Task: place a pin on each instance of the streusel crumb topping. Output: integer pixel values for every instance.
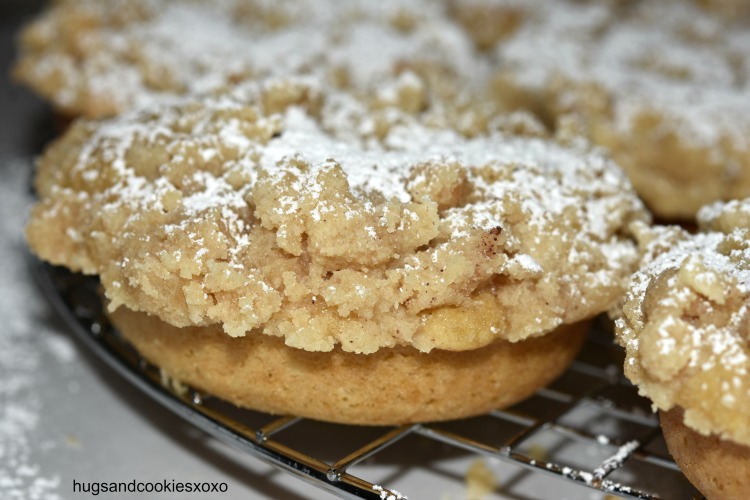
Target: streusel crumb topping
(259, 210)
(685, 321)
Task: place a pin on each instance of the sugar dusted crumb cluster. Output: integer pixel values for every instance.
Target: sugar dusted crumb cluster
(685, 321)
(259, 209)
(674, 118)
(98, 58)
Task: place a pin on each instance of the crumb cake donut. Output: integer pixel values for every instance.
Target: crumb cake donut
(685, 328)
(98, 58)
(676, 119)
(254, 221)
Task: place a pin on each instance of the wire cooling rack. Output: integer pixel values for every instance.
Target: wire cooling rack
(588, 429)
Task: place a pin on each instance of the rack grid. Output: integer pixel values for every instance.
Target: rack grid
(592, 407)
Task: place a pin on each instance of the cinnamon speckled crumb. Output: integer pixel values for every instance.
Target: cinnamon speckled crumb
(258, 209)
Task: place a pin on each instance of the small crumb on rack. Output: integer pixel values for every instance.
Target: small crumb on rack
(480, 480)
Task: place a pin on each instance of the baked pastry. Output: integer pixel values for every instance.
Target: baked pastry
(729, 9)
(674, 118)
(684, 325)
(256, 212)
(97, 58)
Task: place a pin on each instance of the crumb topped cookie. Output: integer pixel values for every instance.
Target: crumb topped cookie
(250, 209)
(674, 118)
(99, 58)
(684, 326)
(685, 322)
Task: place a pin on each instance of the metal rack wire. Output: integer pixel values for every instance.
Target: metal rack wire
(590, 406)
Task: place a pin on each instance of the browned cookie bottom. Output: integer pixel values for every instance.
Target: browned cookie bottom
(392, 386)
(720, 469)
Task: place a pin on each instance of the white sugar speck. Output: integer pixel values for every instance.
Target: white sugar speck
(21, 347)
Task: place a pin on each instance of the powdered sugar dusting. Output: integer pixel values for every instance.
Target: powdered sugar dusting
(704, 249)
(550, 183)
(685, 319)
(693, 78)
(21, 355)
(191, 186)
(616, 461)
(149, 56)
